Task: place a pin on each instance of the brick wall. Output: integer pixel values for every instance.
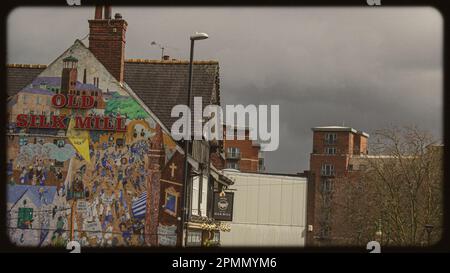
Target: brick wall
(107, 42)
(347, 143)
(249, 153)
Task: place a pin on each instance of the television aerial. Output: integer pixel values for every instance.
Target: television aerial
(162, 47)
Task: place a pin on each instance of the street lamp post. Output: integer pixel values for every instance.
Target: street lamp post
(193, 38)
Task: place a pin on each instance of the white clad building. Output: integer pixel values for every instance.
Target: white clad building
(269, 210)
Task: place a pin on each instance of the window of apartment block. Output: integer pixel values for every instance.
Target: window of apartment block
(233, 165)
(24, 99)
(325, 231)
(350, 167)
(330, 138)
(326, 185)
(233, 151)
(261, 164)
(38, 100)
(327, 170)
(330, 150)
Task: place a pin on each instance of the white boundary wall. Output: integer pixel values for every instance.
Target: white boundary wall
(269, 210)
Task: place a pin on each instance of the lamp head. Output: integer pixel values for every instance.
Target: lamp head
(199, 36)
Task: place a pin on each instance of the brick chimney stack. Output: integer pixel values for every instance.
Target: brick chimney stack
(107, 40)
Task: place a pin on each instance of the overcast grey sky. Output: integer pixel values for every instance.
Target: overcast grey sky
(368, 68)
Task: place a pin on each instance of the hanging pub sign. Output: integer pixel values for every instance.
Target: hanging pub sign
(223, 206)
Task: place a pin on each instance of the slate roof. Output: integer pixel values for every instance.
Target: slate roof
(18, 76)
(159, 84)
(164, 84)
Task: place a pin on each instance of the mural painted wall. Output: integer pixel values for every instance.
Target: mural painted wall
(69, 178)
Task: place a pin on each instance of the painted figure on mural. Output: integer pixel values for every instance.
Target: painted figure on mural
(23, 176)
(62, 190)
(54, 211)
(59, 175)
(30, 174)
(60, 225)
(78, 184)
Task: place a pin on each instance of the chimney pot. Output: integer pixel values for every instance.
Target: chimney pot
(98, 12)
(107, 12)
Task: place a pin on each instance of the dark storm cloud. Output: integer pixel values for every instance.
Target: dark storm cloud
(365, 68)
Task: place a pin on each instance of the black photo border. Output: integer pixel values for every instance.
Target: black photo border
(442, 246)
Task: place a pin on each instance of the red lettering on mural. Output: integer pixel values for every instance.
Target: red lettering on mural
(80, 124)
(22, 120)
(43, 122)
(58, 100)
(87, 101)
(33, 121)
(72, 101)
(121, 127)
(97, 122)
(107, 124)
(30, 121)
(58, 122)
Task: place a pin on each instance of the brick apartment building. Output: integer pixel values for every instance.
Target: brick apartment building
(244, 155)
(333, 153)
